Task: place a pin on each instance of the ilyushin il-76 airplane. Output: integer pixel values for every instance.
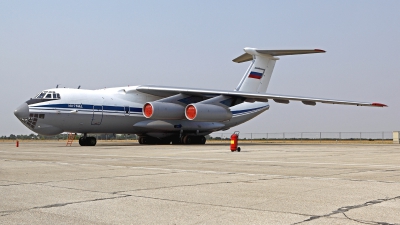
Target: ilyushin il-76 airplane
(159, 114)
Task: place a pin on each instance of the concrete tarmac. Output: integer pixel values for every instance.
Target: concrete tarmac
(128, 183)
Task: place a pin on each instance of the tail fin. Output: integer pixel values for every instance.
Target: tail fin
(257, 76)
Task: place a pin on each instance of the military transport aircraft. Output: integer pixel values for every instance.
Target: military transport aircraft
(159, 114)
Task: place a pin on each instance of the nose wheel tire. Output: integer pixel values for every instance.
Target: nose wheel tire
(88, 141)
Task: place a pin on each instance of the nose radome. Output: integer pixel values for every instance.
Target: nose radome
(22, 111)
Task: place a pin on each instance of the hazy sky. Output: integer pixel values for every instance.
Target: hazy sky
(99, 44)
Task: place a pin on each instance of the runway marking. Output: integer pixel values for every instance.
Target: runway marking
(221, 160)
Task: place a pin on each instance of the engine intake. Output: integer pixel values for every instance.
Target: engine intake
(207, 112)
(163, 111)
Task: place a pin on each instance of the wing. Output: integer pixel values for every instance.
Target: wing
(249, 97)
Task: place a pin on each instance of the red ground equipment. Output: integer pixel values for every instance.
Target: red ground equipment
(17, 144)
(234, 141)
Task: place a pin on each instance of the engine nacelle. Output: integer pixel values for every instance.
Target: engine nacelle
(207, 112)
(163, 111)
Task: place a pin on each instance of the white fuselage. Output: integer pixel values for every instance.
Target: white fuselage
(119, 110)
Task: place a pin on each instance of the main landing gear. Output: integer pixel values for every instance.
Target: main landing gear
(187, 139)
(87, 141)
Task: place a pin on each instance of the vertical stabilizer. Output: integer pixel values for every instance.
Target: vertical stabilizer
(258, 75)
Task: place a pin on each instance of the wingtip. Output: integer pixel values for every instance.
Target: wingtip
(378, 104)
(319, 50)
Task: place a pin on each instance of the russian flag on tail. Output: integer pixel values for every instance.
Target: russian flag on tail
(256, 73)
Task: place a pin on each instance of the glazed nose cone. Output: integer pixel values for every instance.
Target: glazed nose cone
(22, 111)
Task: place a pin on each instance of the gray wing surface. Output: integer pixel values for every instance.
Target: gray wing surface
(163, 91)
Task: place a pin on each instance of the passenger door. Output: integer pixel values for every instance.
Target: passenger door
(97, 114)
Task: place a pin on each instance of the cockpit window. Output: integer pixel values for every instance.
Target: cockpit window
(41, 95)
(48, 95)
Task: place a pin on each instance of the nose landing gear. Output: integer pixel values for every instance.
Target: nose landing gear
(87, 141)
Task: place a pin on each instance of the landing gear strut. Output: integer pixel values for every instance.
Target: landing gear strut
(87, 141)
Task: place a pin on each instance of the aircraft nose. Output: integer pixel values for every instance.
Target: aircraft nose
(22, 111)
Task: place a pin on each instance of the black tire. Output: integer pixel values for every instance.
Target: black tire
(149, 140)
(82, 141)
(188, 140)
(176, 141)
(165, 141)
(91, 141)
(145, 140)
(202, 140)
(238, 149)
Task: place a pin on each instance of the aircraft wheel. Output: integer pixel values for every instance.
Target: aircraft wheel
(82, 141)
(187, 140)
(148, 140)
(176, 140)
(165, 141)
(140, 140)
(202, 140)
(145, 140)
(91, 141)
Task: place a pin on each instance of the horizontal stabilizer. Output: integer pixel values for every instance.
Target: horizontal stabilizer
(248, 56)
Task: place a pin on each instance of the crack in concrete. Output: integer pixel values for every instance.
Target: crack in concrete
(194, 185)
(5, 213)
(348, 208)
(216, 205)
(367, 222)
(216, 172)
(15, 183)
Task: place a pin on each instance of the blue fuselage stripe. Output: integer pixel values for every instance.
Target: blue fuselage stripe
(87, 107)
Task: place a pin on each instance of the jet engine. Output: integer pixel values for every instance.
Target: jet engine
(207, 112)
(163, 111)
